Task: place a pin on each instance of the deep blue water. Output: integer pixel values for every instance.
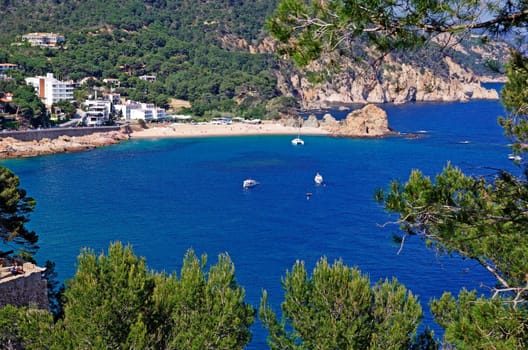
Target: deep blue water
(168, 195)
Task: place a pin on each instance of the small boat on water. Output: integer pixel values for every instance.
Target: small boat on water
(248, 183)
(515, 157)
(298, 141)
(318, 178)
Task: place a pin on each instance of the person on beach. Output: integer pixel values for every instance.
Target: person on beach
(17, 269)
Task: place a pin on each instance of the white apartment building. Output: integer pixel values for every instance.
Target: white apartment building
(51, 90)
(97, 112)
(43, 39)
(132, 110)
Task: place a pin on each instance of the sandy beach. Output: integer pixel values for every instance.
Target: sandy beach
(235, 129)
(14, 148)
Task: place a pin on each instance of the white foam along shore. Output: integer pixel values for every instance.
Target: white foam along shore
(234, 129)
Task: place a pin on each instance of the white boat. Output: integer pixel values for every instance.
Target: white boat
(515, 157)
(318, 178)
(248, 183)
(298, 141)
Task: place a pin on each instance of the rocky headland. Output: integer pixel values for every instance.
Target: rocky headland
(397, 83)
(14, 148)
(426, 75)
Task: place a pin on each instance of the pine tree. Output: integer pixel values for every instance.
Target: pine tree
(15, 208)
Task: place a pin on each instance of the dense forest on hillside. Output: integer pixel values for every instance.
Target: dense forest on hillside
(198, 51)
(191, 20)
(177, 41)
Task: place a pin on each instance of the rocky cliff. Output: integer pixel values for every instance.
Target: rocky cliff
(397, 82)
(429, 74)
(26, 289)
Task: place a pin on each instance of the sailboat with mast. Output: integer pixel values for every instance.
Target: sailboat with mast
(298, 141)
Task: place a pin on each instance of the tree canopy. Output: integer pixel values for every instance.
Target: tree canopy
(309, 28)
(198, 50)
(337, 308)
(15, 209)
(115, 301)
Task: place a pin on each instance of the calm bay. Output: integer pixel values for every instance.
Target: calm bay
(165, 196)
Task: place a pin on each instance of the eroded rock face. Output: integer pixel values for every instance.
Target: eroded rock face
(397, 83)
(369, 121)
(311, 121)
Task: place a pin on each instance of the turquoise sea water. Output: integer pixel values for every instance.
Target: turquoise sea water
(168, 195)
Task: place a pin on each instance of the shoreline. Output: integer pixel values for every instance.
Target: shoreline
(11, 148)
(183, 130)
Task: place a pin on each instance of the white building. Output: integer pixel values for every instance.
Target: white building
(132, 110)
(150, 78)
(97, 112)
(51, 90)
(43, 39)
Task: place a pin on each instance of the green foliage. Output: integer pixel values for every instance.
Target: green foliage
(336, 308)
(514, 97)
(208, 311)
(307, 29)
(15, 207)
(66, 107)
(481, 220)
(25, 328)
(28, 106)
(481, 323)
(107, 295)
(478, 219)
(114, 301)
(187, 45)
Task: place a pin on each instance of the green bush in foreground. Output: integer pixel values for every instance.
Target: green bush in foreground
(115, 302)
(337, 308)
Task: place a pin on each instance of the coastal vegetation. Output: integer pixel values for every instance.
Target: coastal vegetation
(214, 54)
(15, 209)
(479, 218)
(338, 308)
(181, 43)
(115, 301)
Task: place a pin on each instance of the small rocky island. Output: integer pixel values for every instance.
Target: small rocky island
(368, 121)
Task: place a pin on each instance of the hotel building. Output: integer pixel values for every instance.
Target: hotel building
(51, 90)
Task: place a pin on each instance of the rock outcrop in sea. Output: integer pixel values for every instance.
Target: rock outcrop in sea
(368, 121)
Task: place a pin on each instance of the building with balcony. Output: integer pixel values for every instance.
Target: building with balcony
(43, 39)
(132, 110)
(51, 90)
(97, 112)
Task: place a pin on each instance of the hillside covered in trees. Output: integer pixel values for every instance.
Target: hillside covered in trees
(215, 54)
(178, 41)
